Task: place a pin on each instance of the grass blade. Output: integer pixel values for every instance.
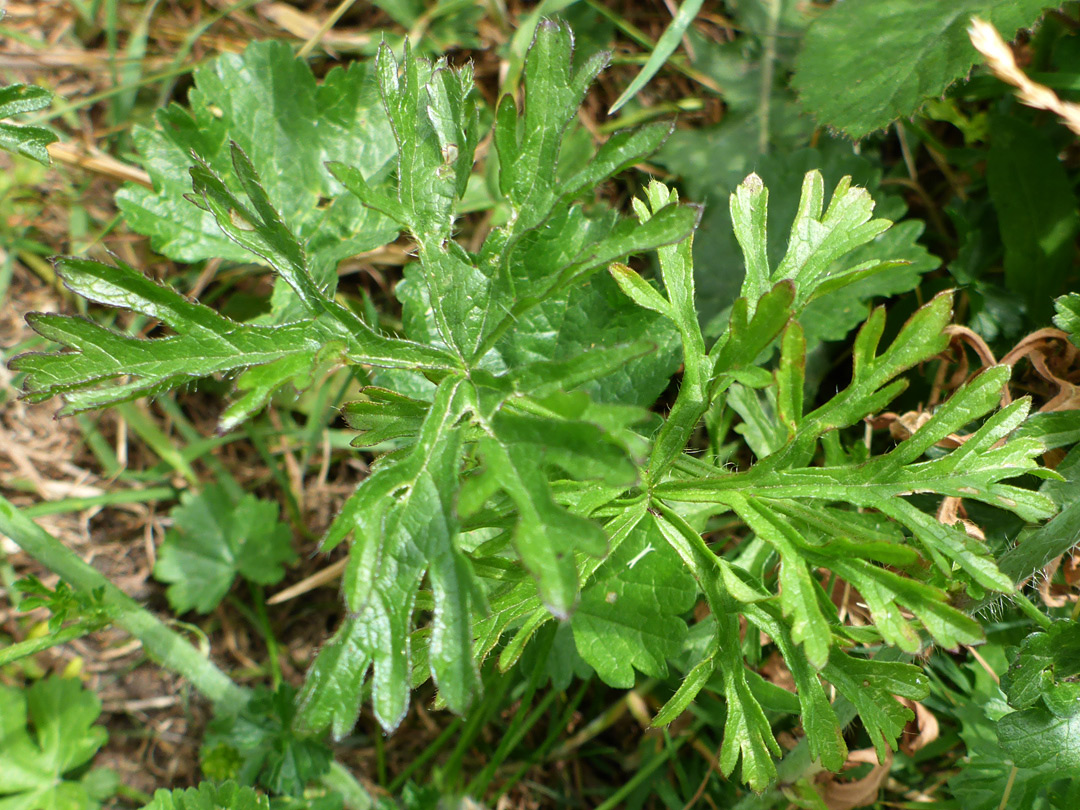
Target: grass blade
(665, 47)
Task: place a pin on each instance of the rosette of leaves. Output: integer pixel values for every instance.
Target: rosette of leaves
(528, 484)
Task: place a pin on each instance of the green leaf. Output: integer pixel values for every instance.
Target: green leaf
(752, 327)
(665, 47)
(260, 742)
(861, 68)
(870, 685)
(519, 604)
(545, 534)
(893, 263)
(749, 205)
(383, 416)
(890, 263)
(798, 590)
(65, 603)
(592, 315)
(1044, 659)
(434, 121)
(640, 291)
(269, 104)
(32, 142)
(1036, 212)
(212, 540)
(528, 143)
(206, 343)
(693, 682)
(209, 796)
(1068, 315)
(461, 300)
(747, 733)
(1039, 737)
(618, 153)
(404, 524)
(824, 733)
(886, 591)
(545, 377)
(677, 271)
(583, 449)
(871, 388)
(46, 732)
(838, 257)
(331, 694)
(791, 378)
(1049, 541)
(630, 614)
(1053, 429)
(820, 236)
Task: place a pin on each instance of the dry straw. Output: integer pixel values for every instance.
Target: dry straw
(1002, 62)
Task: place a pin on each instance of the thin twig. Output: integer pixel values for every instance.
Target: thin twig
(329, 23)
(328, 574)
(94, 160)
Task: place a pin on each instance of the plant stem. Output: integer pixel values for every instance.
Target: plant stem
(380, 757)
(520, 725)
(273, 650)
(31, 646)
(768, 65)
(165, 646)
(1031, 611)
(541, 754)
(106, 499)
(475, 722)
(1008, 788)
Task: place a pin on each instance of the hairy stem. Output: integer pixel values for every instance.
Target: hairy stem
(167, 647)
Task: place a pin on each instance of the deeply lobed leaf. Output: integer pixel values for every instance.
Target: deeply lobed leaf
(268, 103)
(524, 480)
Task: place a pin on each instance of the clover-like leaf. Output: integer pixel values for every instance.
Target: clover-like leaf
(46, 732)
(213, 539)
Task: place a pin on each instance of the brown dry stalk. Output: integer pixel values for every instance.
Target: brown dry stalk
(1002, 62)
(94, 160)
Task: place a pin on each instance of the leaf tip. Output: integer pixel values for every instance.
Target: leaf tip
(753, 183)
